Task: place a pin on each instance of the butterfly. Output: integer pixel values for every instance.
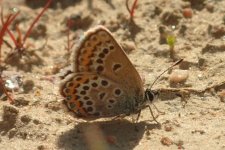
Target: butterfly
(103, 82)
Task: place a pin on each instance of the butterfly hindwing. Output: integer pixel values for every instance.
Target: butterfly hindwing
(91, 95)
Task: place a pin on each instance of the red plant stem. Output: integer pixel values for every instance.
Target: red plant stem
(133, 8)
(131, 11)
(35, 21)
(8, 31)
(12, 37)
(19, 38)
(3, 30)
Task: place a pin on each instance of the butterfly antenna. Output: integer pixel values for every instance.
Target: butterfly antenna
(176, 63)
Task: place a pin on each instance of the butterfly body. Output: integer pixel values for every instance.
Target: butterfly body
(103, 82)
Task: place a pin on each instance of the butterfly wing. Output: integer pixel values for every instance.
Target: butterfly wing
(98, 52)
(90, 95)
(100, 56)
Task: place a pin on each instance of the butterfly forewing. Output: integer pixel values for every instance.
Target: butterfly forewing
(100, 53)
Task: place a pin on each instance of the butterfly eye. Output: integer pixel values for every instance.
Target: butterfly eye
(149, 95)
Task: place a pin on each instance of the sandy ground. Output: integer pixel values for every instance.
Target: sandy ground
(194, 121)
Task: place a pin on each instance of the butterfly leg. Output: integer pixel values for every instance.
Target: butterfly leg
(138, 116)
(136, 121)
(119, 117)
(154, 118)
(160, 112)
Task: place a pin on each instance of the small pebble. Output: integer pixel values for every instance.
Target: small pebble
(41, 147)
(128, 46)
(166, 141)
(168, 128)
(217, 31)
(21, 101)
(187, 12)
(10, 112)
(28, 85)
(55, 105)
(25, 119)
(180, 144)
(178, 76)
(210, 7)
(39, 31)
(12, 133)
(169, 17)
(14, 83)
(198, 131)
(77, 21)
(35, 121)
(148, 133)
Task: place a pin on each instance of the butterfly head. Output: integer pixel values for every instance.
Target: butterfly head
(150, 95)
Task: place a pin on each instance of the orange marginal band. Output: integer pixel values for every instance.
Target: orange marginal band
(77, 103)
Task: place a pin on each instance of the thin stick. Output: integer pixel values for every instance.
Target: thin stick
(127, 6)
(68, 35)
